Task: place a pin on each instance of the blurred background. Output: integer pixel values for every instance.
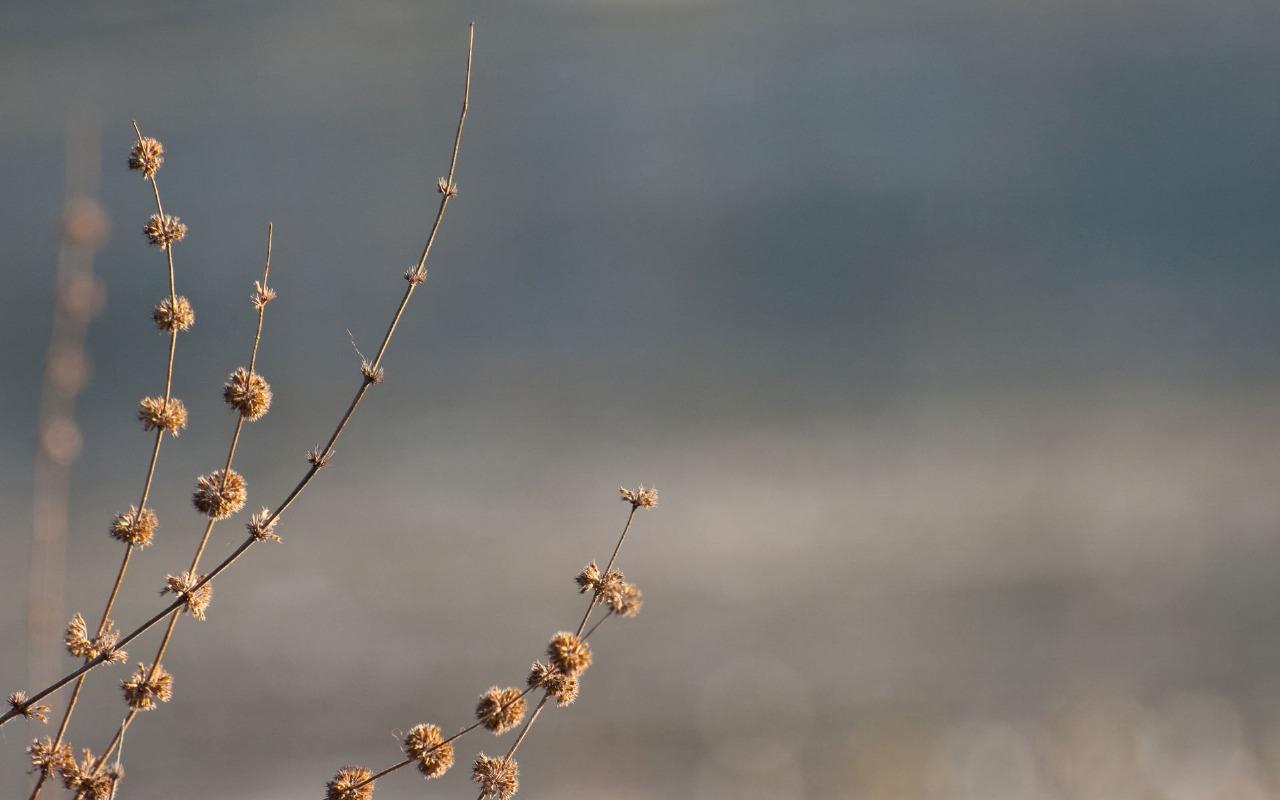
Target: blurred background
(948, 332)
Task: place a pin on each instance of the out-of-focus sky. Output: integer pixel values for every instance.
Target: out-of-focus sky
(948, 331)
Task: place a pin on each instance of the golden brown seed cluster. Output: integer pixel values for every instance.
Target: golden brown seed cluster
(146, 157)
(84, 781)
(623, 598)
(18, 702)
(499, 778)
(501, 709)
(640, 498)
(562, 688)
(569, 654)
(427, 747)
(80, 645)
(317, 458)
(174, 314)
(415, 275)
(217, 498)
(135, 527)
(371, 373)
(165, 230)
(261, 295)
(349, 784)
(247, 393)
(197, 601)
(144, 689)
(446, 187)
(156, 413)
(259, 527)
(47, 758)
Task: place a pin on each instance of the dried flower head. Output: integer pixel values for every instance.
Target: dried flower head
(165, 231)
(569, 654)
(623, 598)
(219, 498)
(371, 373)
(350, 784)
(446, 187)
(146, 156)
(197, 600)
(317, 458)
(47, 757)
(259, 527)
(29, 710)
(80, 645)
(83, 780)
(424, 744)
(640, 498)
(501, 709)
(499, 778)
(590, 580)
(156, 413)
(145, 687)
(247, 393)
(415, 275)
(174, 314)
(561, 687)
(261, 295)
(135, 527)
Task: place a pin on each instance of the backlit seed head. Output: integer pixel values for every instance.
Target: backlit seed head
(349, 784)
(47, 758)
(83, 780)
(143, 689)
(371, 373)
(80, 645)
(260, 529)
(247, 393)
(135, 527)
(499, 778)
(501, 709)
(261, 295)
(640, 498)
(218, 499)
(156, 414)
(590, 580)
(174, 314)
(415, 275)
(29, 710)
(165, 231)
(317, 458)
(623, 598)
(561, 687)
(569, 654)
(446, 187)
(424, 744)
(197, 601)
(146, 156)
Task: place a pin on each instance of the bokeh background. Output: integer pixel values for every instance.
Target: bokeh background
(948, 331)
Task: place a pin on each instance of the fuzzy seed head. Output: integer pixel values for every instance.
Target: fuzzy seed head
(46, 757)
(499, 778)
(247, 393)
(146, 156)
(569, 654)
(415, 275)
(562, 688)
(590, 580)
(261, 295)
(640, 498)
(424, 744)
(317, 458)
(260, 529)
(197, 600)
(501, 709)
(623, 598)
(143, 689)
(29, 710)
(156, 414)
(80, 645)
(371, 373)
(82, 780)
(165, 231)
(135, 527)
(217, 498)
(344, 784)
(174, 314)
(446, 187)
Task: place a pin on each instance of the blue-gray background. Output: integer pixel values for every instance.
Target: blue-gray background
(948, 330)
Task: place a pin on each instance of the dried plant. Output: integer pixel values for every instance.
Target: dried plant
(501, 710)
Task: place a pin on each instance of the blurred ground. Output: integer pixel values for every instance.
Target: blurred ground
(948, 332)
